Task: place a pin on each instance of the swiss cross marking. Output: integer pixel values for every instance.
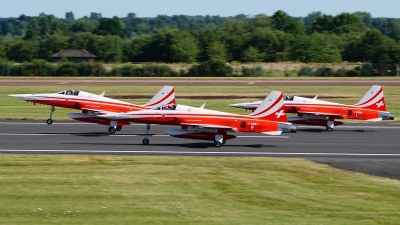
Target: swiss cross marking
(380, 104)
(279, 114)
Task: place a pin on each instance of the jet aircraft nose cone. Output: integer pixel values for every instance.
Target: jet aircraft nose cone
(20, 96)
(238, 105)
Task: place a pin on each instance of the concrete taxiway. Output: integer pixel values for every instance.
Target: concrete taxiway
(369, 147)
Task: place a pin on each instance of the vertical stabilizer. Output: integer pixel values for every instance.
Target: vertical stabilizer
(373, 99)
(165, 96)
(271, 108)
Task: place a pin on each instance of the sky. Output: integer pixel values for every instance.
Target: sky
(224, 8)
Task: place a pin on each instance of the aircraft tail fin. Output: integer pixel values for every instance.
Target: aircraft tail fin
(165, 96)
(373, 99)
(272, 108)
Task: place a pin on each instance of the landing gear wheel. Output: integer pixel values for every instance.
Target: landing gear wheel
(223, 142)
(217, 144)
(329, 129)
(112, 130)
(145, 141)
(49, 121)
(119, 128)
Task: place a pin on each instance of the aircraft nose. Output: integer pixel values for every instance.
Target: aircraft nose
(20, 96)
(238, 105)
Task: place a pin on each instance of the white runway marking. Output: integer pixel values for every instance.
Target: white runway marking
(304, 154)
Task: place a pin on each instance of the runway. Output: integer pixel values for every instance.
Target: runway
(368, 147)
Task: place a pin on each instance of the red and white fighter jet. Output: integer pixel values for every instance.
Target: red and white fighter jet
(203, 124)
(371, 107)
(93, 105)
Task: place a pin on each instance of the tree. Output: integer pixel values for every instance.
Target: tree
(33, 31)
(388, 52)
(95, 16)
(314, 48)
(284, 22)
(371, 40)
(261, 20)
(184, 47)
(109, 27)
(2, 49)
(52, 44)
(21, 51)
(342, 23)
(216, 52)
(252, 54)
(205, 39)
(135, 51)
(311, 18)
(69, 16)
(273, 44)
(82, 40)
(84, 26)
(107, 48)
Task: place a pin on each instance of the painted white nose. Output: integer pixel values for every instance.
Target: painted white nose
(21, 96)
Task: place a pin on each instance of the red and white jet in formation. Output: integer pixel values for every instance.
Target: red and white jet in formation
(203, 124)
(93, 105)
(371, 107)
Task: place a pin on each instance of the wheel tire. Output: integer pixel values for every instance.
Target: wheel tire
(112, 130)
(217, 144)
(223, 142)
(119, 128)
(49, 121)
(145, 141)
(329, 129)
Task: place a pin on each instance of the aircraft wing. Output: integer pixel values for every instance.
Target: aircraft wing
(211, 126)
(321, 114)
(96, 111)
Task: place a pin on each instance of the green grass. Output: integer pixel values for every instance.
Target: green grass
(40, 189)
(11, 108)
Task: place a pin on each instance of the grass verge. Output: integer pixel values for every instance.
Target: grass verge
(41, 189)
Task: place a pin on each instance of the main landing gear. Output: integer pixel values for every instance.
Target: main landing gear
(329, 129)
(50, 121)
(112, 130)
(329, 125)
(146, 141)
(217, 144)
(219, 140)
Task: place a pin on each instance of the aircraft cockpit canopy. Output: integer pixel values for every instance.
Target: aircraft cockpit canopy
(167, 107)
(69, 92)
(288, 98)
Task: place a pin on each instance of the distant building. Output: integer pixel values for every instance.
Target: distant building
(73, 55)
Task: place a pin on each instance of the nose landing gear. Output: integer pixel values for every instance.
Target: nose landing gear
(146, 141)
(50, 121)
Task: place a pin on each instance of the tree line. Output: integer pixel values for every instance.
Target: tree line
(206, 69)
(213, 40)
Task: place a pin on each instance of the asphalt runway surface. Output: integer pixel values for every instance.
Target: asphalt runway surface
(371, 148)
(202, 82)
